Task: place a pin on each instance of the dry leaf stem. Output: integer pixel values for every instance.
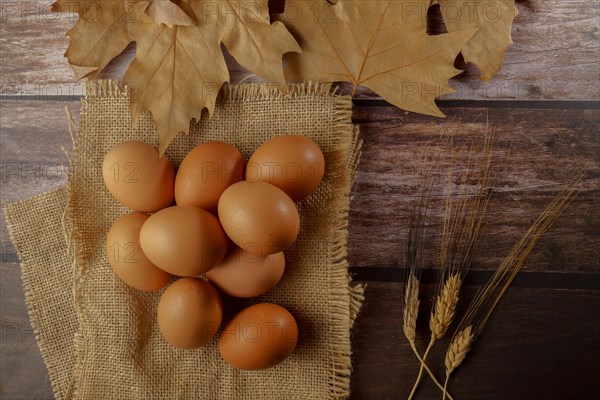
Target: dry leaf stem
(488, 297)
(460, 235)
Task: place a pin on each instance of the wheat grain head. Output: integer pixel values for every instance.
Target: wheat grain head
(445, 307)
(411, 308)
(457, 351)
(489, 295)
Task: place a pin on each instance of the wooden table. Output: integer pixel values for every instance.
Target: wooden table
(542, 342)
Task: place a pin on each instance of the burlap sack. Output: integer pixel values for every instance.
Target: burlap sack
(117, 351)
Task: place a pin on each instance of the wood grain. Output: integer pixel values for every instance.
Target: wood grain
(532, 335)
(32, 137)
(554, 56)
(538, 344)
(547, 147)
(24, 375)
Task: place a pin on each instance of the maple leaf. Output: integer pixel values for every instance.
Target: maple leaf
(163, 12)
(493, 21)
(381, 44)
(179, 65)
(99, 35)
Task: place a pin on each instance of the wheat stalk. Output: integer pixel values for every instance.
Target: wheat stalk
(488, 297)
(439, 322)
(460, 236)
(433, 378)
(457, 351)
(414, 249)
(409, 325)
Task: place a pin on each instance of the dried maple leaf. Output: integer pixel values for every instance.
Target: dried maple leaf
(493, 20)
(163, 12)
(177, 70)
(99, 35)
(381, 44)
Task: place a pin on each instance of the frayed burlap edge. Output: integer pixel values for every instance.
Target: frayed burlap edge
(344, 311)
(347, 296)
(58, 374)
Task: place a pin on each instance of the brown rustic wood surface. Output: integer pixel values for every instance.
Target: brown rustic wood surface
(541, 342)
(555, 55)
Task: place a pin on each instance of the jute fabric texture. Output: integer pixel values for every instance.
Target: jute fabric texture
(99, 337)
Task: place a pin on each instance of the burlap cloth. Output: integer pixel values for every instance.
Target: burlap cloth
(99, 337)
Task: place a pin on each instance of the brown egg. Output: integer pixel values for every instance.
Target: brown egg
(126, 258)
(259, 337)
(293, 163)
(183, 240)
(206, 172)
(244, 274)
(259, 217)
(137, 177)
(189, 313)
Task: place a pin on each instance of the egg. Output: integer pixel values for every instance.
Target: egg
(205, 172)
(293, 163)
(259, 337)
(126, 257)
(135, 176)
(259, 217)
(183, 240)
(189, 313)
(245, 274)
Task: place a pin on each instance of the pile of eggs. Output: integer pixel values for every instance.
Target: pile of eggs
(219, 218)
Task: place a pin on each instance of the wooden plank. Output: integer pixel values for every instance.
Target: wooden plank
(538, 344)
(547, 147)
(537, 67)
(24, 375)
(32, 47)
(32, 137)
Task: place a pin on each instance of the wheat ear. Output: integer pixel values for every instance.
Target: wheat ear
(488, 297)
(409, 325)
(411, 296)
(445, 307)
(439, 322)
(411, 308)
(457, 351)
(460, 236)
